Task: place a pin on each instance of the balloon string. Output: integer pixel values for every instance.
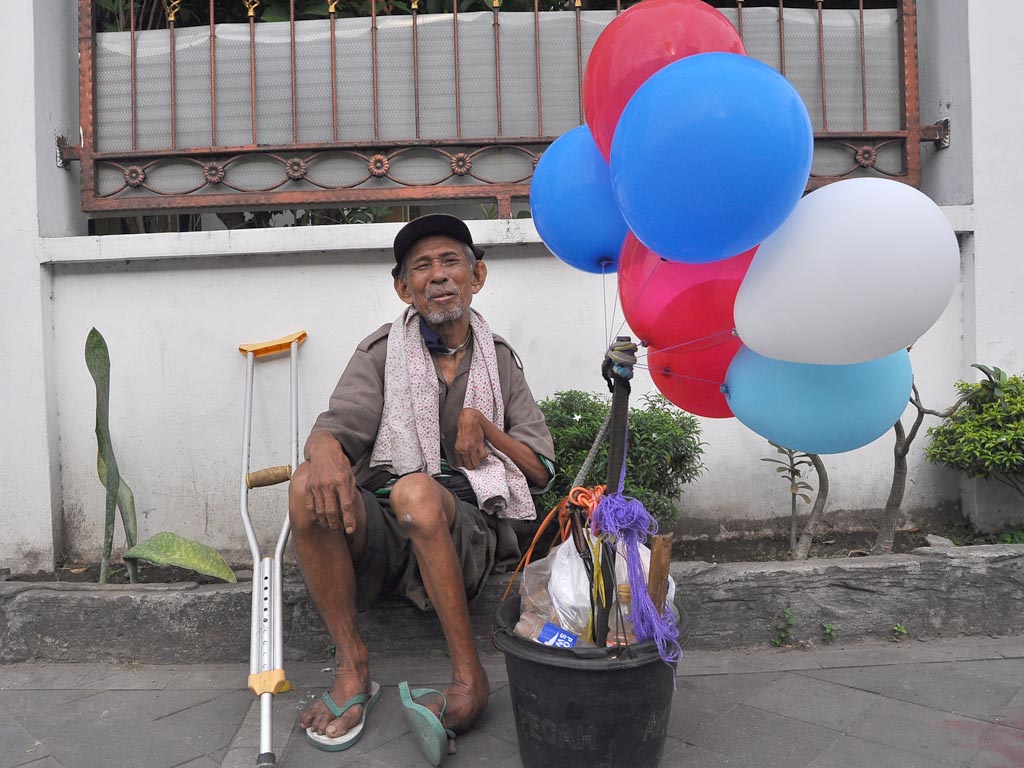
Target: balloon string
(687, 343)
(618, 302)
(643, 287)
(683, 376)
(604, 301)
(615, 306)
(619, 331)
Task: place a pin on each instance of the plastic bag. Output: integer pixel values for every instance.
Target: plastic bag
(621, 576)
(533, 588)
(557, 588)
(569, 589)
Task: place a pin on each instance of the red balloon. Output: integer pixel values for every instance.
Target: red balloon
(693, 379)
(639, 42)
(668, 303)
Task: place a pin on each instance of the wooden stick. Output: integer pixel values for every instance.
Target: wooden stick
(661, 557)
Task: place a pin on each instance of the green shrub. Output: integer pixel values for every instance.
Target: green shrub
(1013, 535)
(785, 630)
(828, 633)
(663, 451)
(985, 437)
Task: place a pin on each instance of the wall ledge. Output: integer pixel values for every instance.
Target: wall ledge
(960, 216)
(934, 592)
(338, 238)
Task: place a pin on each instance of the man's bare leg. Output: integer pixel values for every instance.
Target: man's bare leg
(326, 561)
(425, 511)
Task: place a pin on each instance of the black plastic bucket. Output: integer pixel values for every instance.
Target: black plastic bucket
(587, 707)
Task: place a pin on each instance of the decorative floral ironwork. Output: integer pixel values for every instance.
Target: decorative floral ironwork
(134, 176)
(295, 169)
(883, 157)
(171, 8)
(406, 181)
(512, 179)
(379, 166)
(213, 173)
(380, 174)
(251, 6)
(461, 164)
(867, 156)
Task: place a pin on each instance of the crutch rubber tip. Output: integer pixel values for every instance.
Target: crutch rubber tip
(266, 760)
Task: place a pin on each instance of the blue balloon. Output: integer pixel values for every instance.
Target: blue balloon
(818, 408)
(573, 206)
(710, 156)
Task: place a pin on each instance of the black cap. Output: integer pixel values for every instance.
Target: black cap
(426, 226)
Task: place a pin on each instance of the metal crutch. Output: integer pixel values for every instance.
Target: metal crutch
(266, 649)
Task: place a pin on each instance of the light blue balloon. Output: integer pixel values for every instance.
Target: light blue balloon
(818, 408)
(572, 204)
(710, 156)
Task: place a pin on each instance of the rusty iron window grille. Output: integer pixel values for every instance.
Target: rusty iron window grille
(413, 108)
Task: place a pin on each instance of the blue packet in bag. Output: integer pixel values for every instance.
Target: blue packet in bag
(555, 636)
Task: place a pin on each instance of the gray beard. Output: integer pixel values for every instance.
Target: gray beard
(437, 318)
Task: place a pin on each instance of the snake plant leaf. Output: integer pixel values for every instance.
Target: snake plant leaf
(97, 360)
(167, 548)
(125, 503)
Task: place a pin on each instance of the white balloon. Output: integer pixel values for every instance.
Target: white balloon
(859, 270)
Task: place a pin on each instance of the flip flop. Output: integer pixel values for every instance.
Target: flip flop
(428, 728)
(351, 736)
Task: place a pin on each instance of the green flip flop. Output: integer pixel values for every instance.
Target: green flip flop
(428, 728)
(352, 735)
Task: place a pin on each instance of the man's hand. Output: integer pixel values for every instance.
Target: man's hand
(470, 445)
(331, 490)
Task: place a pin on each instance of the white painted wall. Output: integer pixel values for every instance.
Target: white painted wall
(173, 326)
(994, 323)
(997, 73)
(944, 66)
(173, 309)
(38, 94)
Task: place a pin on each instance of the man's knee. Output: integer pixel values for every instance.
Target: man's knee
(297, 497)
(419, 503)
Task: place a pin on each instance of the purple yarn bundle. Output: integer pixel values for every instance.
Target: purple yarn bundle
(630, 523)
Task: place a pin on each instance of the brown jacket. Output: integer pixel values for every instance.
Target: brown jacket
(353, 416)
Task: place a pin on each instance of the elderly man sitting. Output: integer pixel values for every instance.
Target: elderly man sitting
(431, 445)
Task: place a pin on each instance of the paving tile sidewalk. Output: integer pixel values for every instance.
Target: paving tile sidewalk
(956, 702)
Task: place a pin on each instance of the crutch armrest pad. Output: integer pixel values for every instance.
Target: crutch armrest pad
(262, 348)
(269, 681)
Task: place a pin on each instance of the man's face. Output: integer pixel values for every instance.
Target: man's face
(438, 280)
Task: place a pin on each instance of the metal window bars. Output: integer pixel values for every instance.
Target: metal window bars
(437, 143)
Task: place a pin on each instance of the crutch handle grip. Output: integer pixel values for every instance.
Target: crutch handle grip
(263, 348)
(268, 476)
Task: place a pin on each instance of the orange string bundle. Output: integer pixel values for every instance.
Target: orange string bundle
(584, 499)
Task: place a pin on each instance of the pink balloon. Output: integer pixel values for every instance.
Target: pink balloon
(669, 303)
(639, 42)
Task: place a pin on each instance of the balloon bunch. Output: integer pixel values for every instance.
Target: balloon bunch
(791, 313)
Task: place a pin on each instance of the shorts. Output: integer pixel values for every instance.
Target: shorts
(389, 568)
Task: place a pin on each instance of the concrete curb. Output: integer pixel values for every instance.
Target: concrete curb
(933, 592)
